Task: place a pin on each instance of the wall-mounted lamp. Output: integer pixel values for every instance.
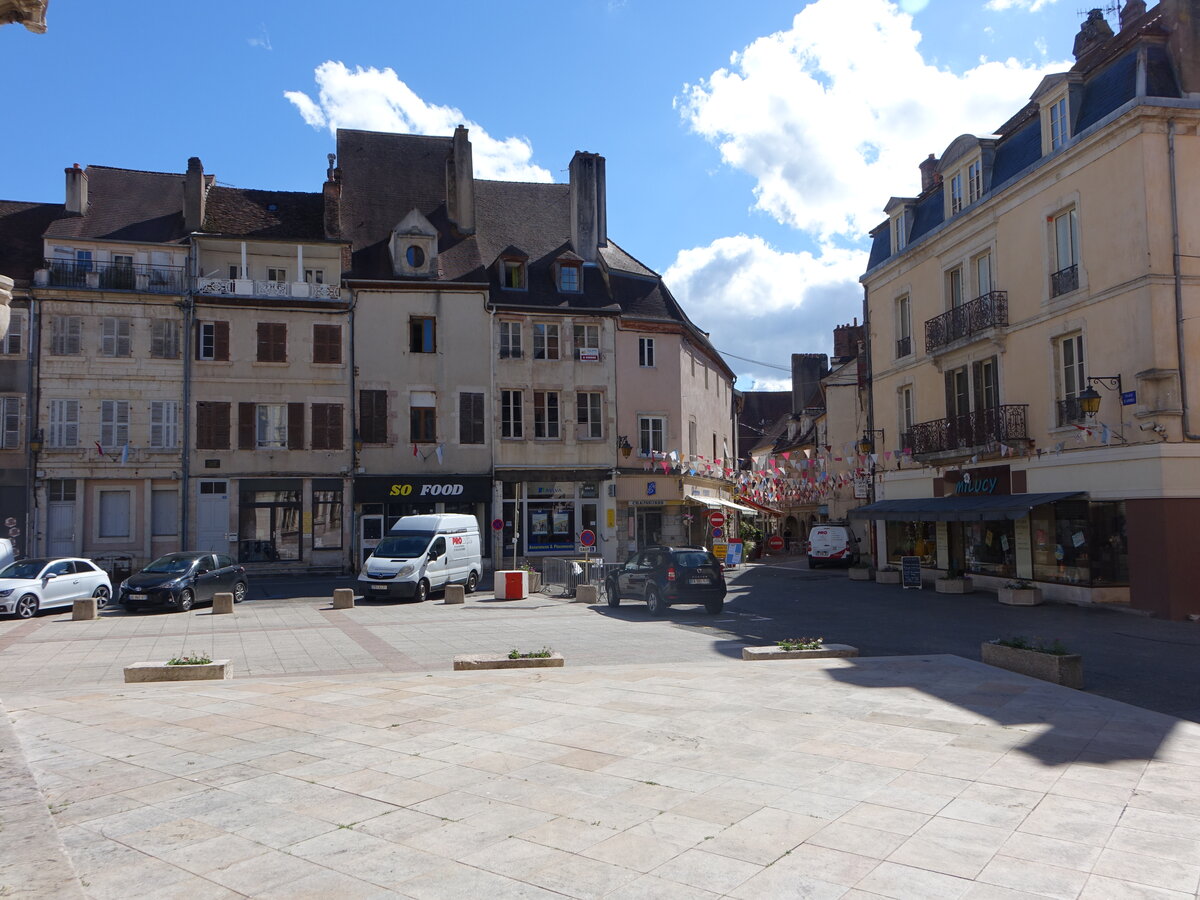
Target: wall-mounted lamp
(1089, 397)
(358, 444)
(866, 443)
(35, 442)
(624, 446)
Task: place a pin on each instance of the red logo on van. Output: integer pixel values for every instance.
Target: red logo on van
(455, 540)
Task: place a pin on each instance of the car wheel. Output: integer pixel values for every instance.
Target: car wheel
(101, 594)
(186, 600)
(612, 593)
(422, 592)
(27, 607)
(239, 592)
(654, 603)
(714, 606)
(472, 582)
(812, 563)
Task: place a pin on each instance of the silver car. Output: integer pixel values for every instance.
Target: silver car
(28, 585)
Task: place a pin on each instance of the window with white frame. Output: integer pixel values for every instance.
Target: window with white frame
(10, 422)
(164, 424)
(692, 437)
(114, 507)
(66, 336)
(954, 287)
(1072, 376)
(12, 342)
(116, 336)
(1065, 277)
(164, 339)
(114, 423)
(569, 278)
(314, 276)
(510, 340)
(279, 276)
(982, 264)
(1059, 129)
(271, 426)
(587, 342)
(652, 434)
(956, 192)
(545, 415)
(511, 415)
(974, 181)
(899, 233)
(545, 340)
(646, 352)
(907, 415)
(589, 414)
(64, 424)
(903, 326)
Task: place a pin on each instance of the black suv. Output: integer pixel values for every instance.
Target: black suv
(663, 576)
(180, 580)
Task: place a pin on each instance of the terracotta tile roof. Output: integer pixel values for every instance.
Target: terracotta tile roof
(127, 205)
(265, 214)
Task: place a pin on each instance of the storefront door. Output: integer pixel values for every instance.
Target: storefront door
(370, 533)
(649, 526)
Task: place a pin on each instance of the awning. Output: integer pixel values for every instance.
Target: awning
(718, 503)
(959, 508)
(758, 507)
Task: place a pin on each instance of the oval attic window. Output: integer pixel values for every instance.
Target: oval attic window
(415, 256)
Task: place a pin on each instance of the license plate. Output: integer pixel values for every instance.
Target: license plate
(137, 596)
(698, 581)
(379, 587)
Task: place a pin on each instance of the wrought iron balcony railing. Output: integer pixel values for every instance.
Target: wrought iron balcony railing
(997, 424)
(110, 276)
(245, 287)
(1064, 281)
(1070, 412)
(986, 311)
(903, 347)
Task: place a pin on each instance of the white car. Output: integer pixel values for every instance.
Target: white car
(28, 585)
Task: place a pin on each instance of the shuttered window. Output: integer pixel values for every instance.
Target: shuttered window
(327, 426)
(373, 417)
(272, 342)
(114, 423)
(164, 339)
(10, 344)
(66, 336)
(116, 337)
(212, 341)
(327, 343)
(64, 423)
(164, 424)
(114, 514)
(295, 426)
(10, 419)
(212, 425)
(470, 418)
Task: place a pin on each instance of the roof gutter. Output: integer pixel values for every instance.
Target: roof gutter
(1177, 272)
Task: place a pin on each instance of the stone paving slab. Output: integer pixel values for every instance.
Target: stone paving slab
(919, 777)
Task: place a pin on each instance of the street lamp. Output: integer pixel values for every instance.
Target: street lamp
(1089, 397)
(866, 443)
(624, 446)
(35, 442)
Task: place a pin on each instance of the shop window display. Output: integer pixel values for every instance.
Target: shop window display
(1077, 542)
(990, 547)
(913, 539)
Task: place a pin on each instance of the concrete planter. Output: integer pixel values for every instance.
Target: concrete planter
(884, 576)
(827, 651)
(953, 585)
(860, 573)
(216, 670)
(1019, 596)
(1065, 670)
(476, 661)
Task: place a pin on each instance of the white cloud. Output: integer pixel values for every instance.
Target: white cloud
(1029, 5)
(764, 304)
(829, 134)
(377, 100)
(264, 41)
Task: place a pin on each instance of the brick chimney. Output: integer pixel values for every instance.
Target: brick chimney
(847, 340)
(332, 195)
(930, 176)
(807, 371)
(1131, 12)
(589, 214)
(460, 183)
(1094, 32)
(194, 196)
(77, 191)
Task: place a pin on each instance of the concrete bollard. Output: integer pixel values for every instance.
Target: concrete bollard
(455, 593)
(222, 603)
(586, 593)
(343, 598)
(82, 610)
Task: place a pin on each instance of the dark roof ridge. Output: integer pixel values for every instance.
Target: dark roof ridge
(635, 259)
(560, 184)
(403, 134)
(134, 171)
(229, 187)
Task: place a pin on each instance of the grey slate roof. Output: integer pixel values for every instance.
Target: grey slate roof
(21, 228)
(249, 213)
(127, 205)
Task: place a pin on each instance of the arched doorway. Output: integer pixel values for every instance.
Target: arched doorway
(791, 534)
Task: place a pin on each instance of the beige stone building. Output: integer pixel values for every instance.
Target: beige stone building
(1033, 332)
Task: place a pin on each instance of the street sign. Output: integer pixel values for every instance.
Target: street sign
(717, 533)
(716, 519)
(497, 524)
(587, 538)
(720, 550)
(775, 543)
(1128, 398)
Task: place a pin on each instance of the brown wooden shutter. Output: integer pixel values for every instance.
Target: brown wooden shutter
(220, 340)
(331, 425)
(263, 353)
(246, 438)
(204, 426)
(327, 343)
(221, 426)
(373, 415)
(295, 426)
(317, 440)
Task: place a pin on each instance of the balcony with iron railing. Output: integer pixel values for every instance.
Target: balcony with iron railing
(1070, 412)
(903, 347)
(111, 276)
(1064, 281)
(979, 315)
(285, 290)
(970, 432)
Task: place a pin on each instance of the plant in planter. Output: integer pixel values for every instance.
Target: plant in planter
(1050, 662)
(802, 643)
(196, 659)
(955, 581)
(544, 653)
(1019, 593)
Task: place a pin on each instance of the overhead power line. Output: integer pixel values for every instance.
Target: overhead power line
(757, 362)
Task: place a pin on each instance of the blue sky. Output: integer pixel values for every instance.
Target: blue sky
(750, 146)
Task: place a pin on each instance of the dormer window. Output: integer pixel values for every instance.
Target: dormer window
(956, 192)
(414, 256)
(570, 278)
(512, 274)
(414, 246)
(974, 181)
(899, 233)
(1059, 125)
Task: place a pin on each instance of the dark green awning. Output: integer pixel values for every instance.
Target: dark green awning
(958, 508)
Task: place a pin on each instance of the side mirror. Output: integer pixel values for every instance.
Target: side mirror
(49, 575)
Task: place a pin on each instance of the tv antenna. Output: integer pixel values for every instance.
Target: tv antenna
(1110, 11)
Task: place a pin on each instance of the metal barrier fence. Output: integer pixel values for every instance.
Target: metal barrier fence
(560, 576)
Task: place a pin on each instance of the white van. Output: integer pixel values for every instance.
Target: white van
(423, 554)
(828, 543)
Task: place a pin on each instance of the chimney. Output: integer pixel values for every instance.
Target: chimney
(929, 173)
(193, 196)
(589, 214)
(807, 371)
(1094, 32)
(460, 183)
(1133, 10)
(332, 191)
(77, 191)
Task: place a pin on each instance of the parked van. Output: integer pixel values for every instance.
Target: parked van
(828, 543)
(423, 554)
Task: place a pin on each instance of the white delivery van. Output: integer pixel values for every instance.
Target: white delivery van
(423, 554)
(829, 542)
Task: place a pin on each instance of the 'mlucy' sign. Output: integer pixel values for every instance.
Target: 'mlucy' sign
(969, 485)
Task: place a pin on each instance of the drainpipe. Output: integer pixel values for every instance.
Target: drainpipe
(32, 416)
(497, 544)
(1175, 268)
(868, 376)
(185, 456)
(355, 550)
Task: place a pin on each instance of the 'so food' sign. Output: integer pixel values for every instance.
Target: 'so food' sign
(443, 489)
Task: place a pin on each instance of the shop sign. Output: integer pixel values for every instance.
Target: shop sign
(417, 489)
(983, 481)
(969, 485)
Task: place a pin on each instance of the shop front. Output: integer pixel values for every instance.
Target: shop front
(288, 521)
(545, 511)
(674, 511)
(380, 501)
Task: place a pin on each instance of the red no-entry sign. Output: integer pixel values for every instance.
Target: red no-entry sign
(717, 519)
(775, 543)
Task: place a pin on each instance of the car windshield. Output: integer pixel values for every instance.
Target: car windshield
(695, 559)
(171, 565)
(24, 568)
(404, 545)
